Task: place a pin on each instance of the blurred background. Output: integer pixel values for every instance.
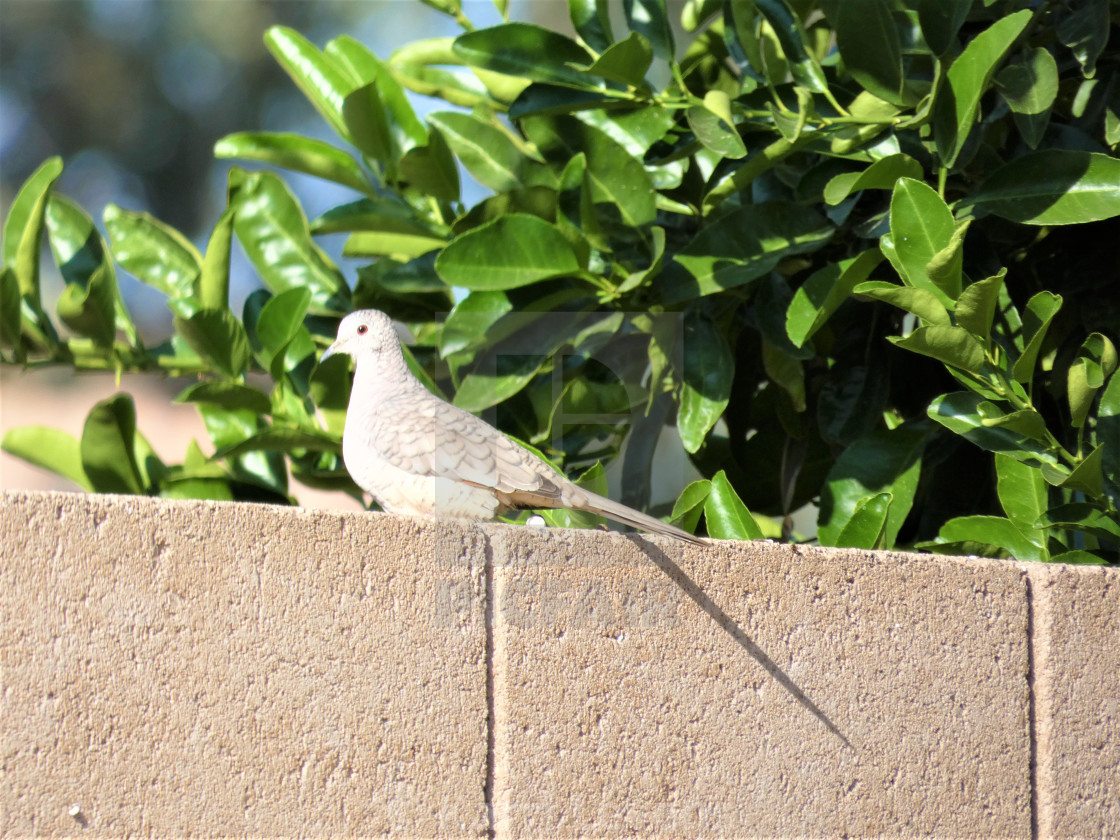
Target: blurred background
(133, 95)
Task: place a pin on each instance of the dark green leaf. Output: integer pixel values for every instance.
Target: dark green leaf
(883, 174)
(489, 153)
(706, 380)
(625, 62)
(1084, 29)
(713, 126)
(867, 526)
(690, 505)
(971, 416)
(367, 124)
(818, 297)
(226, 394)
(867, 39)
(1108, 436)
(976, 306)
(1041, 309)
(282, 439)
(431, 169)
(649, 18)
(1083, 516)
(1095, 363)
(941, 20)
(791, 35)
(108, 447)
(525, 50)
(1030, 86)
(280, 318)
(218, 337)
(470, 321)
(592, 20)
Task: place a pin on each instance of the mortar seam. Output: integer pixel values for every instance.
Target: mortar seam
(1032, 721)
(488, 619)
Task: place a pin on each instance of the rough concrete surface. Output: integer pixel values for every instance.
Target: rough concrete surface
(195, 668)
(1077, 705)
(190, 668)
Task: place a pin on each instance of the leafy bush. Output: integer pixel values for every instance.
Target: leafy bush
(861, 253)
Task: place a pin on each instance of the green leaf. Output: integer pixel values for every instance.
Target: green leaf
(1080, 557)
(1052, 187)
(786, 372)
(107, 447)
(971, 416)
(1108, 436)
(941, 20)
(153, 252)
(218, 337)
(489, 153)
(225, 394)
(882, 462)
(791, 36)
(1088, 477)
(713, 126)
(9, 310)
(726, 516)
(952, 345)
(279, 320)
(1084, 29)
(709, 369)
(649, 18)
(510, 251)
(527, 51)
(625, 62)
(470, 321)
(991, 530)
(742, 246)
(1095, 363)
(317, 76)
(295, 152)
(367, 124)
(282, 439)
(592, 20)
(50, 449)
(969, 76)
(431, 169)
(690, 505)
(883, 174)
(976, 306)
(867, 526)
(382, 214)
(1022, 494)
(1041, 309)
(921, 227)
(920, 302)
(867, 38)
(1083, 516)
(23, 228)
(1030, 86)
(616, 176)
(822, 293)
(90, 304)
(272, 229)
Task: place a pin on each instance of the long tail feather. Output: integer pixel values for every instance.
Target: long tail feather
(636, 519)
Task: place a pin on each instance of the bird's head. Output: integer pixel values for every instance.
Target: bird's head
(367, 332)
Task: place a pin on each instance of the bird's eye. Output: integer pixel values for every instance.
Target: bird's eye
(362, 329)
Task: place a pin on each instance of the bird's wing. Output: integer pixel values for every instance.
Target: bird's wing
(431, 437)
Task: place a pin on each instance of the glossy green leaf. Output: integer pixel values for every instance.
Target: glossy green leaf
(380, 214)
(279, 320)
(1053, 187)
(970, 416)
(625, 62)
(1085, 29)
(320, 79)
(218, 337)
(709, 369)
(226, 394)
(431, 169)
(469, 322)
(976, 306)
(616, 177)
(1108, 436)
(868, 41)
(969, 76)
(852, 401)
(295, 152)
(867, 526)
(883, 174)
(742, 246)
(995, 531)
(49, 449)
(1088, 476)
(108, 447)
(153, 252)
(508, 252)
(786, 372)
(592, 20)
(883, 462)
(921, 227)
(1078, 556)
(823, 292)
(921, 302)
(952, 345)
(713, 126)
(9, 310)
(489, 154)
(941, 20)
(367, 124)
(545, 100)
(525, 50)
(282, 439)
(726, 516)
(273, 230)
(1040, 311)
(1083, 516)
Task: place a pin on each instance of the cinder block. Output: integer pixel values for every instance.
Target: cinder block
(204, 668)
(646, 688)
(1077, 699)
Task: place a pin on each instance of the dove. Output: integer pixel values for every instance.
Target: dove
(418, 455)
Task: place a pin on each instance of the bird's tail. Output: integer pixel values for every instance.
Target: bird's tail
(603, 506)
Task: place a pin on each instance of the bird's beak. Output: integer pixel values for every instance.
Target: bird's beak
(333, 350)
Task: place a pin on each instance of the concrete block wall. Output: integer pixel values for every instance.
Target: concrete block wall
(190, 668)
